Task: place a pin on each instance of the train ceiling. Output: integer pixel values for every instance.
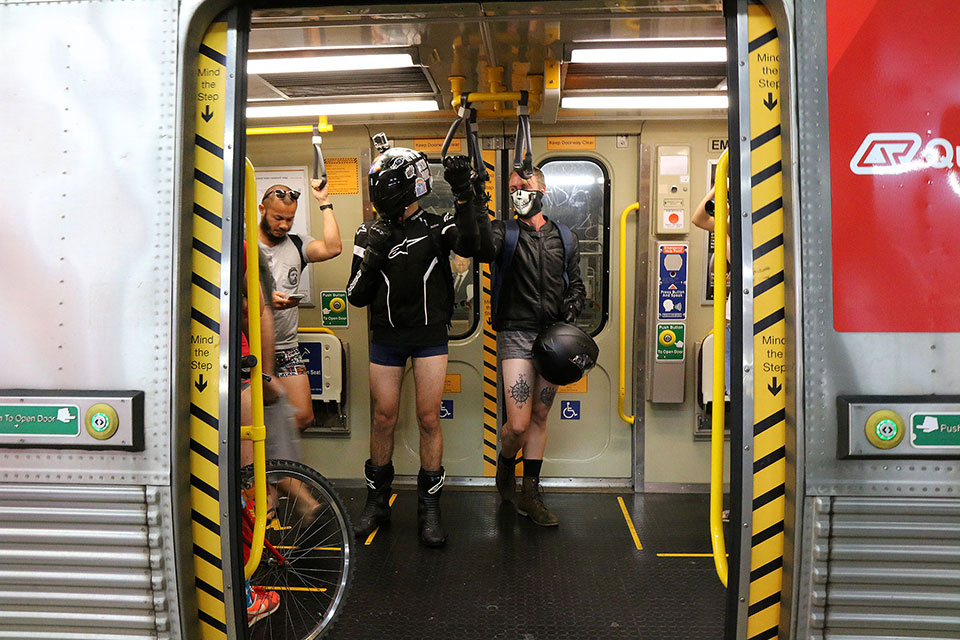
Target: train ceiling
(473, 39)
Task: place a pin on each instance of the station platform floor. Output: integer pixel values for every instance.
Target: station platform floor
(502, 577)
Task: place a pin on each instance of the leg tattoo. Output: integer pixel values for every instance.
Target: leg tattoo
(520, 392)
(547, 394)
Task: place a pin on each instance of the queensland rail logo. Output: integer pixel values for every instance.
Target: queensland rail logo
(883, 153)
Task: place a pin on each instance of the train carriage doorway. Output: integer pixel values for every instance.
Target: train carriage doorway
(641, 429)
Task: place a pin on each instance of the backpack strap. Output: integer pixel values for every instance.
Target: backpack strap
(298, 243)
(511, 236)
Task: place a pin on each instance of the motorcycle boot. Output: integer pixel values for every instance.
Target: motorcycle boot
(429, 488)
(376, 510)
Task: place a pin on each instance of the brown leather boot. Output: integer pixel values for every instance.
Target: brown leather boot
(530, 504)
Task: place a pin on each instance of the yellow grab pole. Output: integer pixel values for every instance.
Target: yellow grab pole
(257, 432)
(623, 311)
(719, 384)
(324, 127)
(315, 330)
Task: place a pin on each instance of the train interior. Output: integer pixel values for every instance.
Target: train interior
(625, 106)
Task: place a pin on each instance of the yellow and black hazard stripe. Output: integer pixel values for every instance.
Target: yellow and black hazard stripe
(205, 337)
(489, 355)
(769, 348)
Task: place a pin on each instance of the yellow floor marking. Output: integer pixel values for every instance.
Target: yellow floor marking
(314, 589)
(633, 531)
(685, 555)
(374, 532)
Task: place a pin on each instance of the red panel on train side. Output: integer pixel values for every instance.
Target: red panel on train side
(893, 82)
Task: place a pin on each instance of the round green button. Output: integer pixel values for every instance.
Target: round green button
(887, 429)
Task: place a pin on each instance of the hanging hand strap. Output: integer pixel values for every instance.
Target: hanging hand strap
(523, 155)
(319, 169)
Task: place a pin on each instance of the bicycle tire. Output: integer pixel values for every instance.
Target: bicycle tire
(310, 603)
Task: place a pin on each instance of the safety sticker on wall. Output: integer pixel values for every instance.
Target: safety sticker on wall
(670, 341)
(672, 301)
(333, 305)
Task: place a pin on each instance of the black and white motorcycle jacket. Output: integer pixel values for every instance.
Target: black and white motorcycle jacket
(411, 295)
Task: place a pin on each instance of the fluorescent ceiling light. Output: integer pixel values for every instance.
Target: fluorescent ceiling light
(341, 108)
(644, 102)
(651, 55)
(267, 66)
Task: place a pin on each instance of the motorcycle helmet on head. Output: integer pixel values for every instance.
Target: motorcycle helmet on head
(398, 178)
(563, 353)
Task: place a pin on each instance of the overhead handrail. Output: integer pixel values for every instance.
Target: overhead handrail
(719, 382)
(623, 312)
(257, 432)
(299, 128)
(497, 98)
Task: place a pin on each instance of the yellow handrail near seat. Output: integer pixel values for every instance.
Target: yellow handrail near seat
(623, 311)
(719, 383)
(257, 432)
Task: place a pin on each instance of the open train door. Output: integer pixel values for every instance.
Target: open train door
(846, 415)
(763, 334)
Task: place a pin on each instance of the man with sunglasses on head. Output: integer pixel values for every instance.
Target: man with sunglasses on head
(288, 254)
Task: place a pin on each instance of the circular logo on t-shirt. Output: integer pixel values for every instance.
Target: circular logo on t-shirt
(293, 277)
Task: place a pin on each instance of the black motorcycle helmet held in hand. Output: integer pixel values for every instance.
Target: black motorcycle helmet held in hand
(398, 178)
(563, 353)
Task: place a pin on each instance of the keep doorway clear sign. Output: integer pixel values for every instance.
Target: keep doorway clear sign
(672, 277)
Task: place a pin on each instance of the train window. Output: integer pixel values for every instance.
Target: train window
(466, 279)
(578, 194)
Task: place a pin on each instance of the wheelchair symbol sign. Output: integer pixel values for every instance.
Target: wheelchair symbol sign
(446, 409)
(570, 410)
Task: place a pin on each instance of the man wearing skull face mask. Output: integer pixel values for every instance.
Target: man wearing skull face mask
(535, 287)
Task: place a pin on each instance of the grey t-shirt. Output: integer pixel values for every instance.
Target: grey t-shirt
(285, 265)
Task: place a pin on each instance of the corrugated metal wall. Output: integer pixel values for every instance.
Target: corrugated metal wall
(81, 563)
(886, 569)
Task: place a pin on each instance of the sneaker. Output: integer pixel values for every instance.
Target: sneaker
(264, 603)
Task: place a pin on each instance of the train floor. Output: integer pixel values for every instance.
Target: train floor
(502, 577)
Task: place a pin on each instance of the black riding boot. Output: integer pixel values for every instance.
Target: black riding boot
(429, 488)
(376, 510)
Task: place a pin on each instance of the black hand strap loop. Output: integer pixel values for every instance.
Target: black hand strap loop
(319, 168)
(523, 156)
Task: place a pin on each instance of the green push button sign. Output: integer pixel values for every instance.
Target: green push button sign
(935, 430)
(39, 420)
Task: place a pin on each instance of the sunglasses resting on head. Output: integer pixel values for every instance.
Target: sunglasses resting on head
(282, 194)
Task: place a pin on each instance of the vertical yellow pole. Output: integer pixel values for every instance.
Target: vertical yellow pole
(719, 384)
(623, 313)
(257, 432)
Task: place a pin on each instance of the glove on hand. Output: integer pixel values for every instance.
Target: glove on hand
(379, 238)
(460, 175)
(570, 312)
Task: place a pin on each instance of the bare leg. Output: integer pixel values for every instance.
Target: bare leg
(385, 396)
(518, 386)
(429, 374)
(535, 442)
(298, 393)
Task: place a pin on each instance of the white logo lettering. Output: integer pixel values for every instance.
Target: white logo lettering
(883, 153)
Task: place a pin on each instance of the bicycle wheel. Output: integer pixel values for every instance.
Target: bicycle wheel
(310, 565)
